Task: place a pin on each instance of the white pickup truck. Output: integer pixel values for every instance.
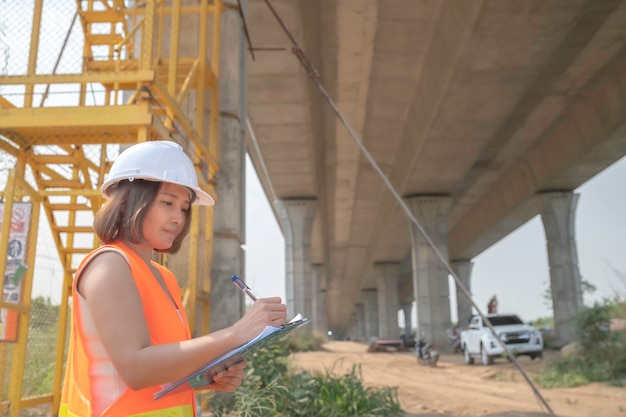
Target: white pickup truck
(518, 337)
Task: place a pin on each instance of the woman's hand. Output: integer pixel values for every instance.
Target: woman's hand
(264, 312)
(229, 379)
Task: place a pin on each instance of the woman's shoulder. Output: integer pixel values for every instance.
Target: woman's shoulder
(106, 257)
(104, 264)
(108, 253)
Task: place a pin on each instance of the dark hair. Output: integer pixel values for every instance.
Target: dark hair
(124, 212)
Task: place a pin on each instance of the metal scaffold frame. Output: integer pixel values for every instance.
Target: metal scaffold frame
(149, 75)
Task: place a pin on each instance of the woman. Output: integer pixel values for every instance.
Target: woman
(129, 333)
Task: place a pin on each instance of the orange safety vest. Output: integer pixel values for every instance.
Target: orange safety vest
(166, 325)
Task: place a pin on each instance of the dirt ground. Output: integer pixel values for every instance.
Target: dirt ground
(456, 389)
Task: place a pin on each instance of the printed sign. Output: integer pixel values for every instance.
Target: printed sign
(15, 268)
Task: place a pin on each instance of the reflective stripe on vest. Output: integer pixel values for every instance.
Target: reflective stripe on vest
(180, 411)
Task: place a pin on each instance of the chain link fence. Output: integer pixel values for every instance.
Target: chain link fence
(60, 49)
(82, 152)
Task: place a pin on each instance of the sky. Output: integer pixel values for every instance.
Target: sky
(515, 269)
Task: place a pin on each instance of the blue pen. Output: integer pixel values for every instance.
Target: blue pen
(243, 287)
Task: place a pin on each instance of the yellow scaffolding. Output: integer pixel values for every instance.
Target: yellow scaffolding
(142, 66)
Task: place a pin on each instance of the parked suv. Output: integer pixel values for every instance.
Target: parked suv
(518, 337)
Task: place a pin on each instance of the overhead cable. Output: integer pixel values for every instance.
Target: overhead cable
(312, 72)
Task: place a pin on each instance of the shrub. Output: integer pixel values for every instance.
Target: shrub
(602, 354)
(270, 390)
(305, 342)
(327, 395)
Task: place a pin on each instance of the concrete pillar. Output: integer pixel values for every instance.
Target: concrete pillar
(360, 322)
(227, 302)
(408, 322)
(558, 214)
(463, 270)
(430, 277)
(386, 274)
(322, 316)
(318, 289)
(352, 332)
(370, 304)
(296, 217)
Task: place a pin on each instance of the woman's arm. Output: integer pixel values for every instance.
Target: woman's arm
(116, 308)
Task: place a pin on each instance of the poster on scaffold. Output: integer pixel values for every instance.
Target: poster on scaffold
(15, 268)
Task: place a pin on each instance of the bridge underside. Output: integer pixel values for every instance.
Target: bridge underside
(488, 102)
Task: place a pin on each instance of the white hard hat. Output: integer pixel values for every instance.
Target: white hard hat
(162, 161)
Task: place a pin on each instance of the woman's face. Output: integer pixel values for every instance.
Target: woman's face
(166, 217)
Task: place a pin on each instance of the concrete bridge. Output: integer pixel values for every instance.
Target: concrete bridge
(480, 113)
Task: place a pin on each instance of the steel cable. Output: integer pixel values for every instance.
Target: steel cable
(312, 72)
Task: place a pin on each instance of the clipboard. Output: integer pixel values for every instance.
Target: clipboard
(204, 375)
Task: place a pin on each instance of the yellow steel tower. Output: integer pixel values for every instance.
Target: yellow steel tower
(78, 80)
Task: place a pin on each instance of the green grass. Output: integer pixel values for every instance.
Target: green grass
(270, 389)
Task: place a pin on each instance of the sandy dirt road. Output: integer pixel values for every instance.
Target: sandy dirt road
(456, 389)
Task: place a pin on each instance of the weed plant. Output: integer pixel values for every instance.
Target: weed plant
(271, 389)
(602, 354)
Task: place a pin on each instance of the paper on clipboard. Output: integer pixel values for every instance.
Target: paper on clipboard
(204, 375)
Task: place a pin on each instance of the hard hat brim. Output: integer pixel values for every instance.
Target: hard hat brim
(203, 198)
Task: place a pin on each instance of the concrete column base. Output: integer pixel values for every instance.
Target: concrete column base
(296, 217)
(407, 308)
(318, 290)
(558, 214)
(360, 323)
(388, 304)
(370, 303)
(463, 270)
(430, 277)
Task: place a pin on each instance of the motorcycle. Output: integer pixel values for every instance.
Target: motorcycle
(426, 354)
